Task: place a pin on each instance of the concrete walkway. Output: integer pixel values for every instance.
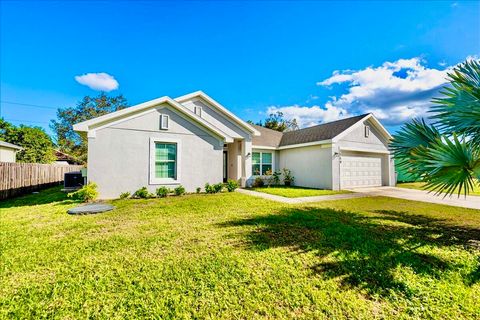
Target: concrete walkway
(472, 202)
(303, 199)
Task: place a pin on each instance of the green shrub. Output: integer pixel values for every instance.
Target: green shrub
(214, 188)
(180, 190)
(162, 192)
(209, 188)
(142, 193)
(276, 177)
(124, 195)
(258, 182)
(288, 178)
(231, 185)
(218, 187)
(87, 193)
(199, 189)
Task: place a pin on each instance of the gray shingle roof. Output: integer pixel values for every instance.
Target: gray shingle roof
(320, 132)
(10, 145)
(267, 138)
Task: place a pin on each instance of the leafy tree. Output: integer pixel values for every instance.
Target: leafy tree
(69, 141)
(276, 121)
(36, 143)
(446, 153)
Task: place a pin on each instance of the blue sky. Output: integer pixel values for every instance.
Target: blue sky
(253, 57)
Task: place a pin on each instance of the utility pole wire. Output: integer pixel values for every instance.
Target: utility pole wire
(28, 105)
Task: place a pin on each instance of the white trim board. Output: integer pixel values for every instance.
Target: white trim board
(365, 150)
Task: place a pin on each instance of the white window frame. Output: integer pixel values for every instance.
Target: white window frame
(261, 162)
(164, 116)
(197, 110)
(367, 131)
(153, 179)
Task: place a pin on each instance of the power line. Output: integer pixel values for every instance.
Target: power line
(28, 121)
(28, 105)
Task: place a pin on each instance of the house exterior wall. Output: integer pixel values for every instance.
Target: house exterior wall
(375, 145)
(311, 166)
(220, 121)
(119, 155)
(356, 139)
(7, 154)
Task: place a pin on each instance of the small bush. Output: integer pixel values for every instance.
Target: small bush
(162, 192)
(142, 193)
(231, 185)
(218, 187)
(209, 188)
(258, 182)
(199, 189)
(214, 188)
(180, 190)
(276, 177)
(124, 195)
(288, 177)
(87, 193)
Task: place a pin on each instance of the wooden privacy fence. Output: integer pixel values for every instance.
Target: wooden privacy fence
(20, 178)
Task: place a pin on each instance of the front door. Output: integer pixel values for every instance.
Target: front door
(225, 166)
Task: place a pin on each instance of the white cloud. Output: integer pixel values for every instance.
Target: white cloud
(310, 116)
(98, 81)
(394, 92)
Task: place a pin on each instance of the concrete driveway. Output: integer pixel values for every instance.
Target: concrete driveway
(472, 202)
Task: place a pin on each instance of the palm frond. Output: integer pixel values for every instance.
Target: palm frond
(410, 146)
(459, 109)
(451, 165)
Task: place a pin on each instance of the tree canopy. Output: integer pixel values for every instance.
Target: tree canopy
(276, 121)
(69, 141)
(446, 153)
(36, 143)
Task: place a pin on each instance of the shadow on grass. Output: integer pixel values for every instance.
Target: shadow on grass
(46, 196)
(362, 250)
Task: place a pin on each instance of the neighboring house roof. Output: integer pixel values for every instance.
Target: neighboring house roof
(323, 132)
(10, 145)
(120, 115)
(267, 138)
(61, 156)
(219, 107)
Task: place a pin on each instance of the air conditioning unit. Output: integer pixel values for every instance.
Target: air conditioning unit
(73, 180)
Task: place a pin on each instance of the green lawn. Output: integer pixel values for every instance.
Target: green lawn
(296, 192)
(421, 186)
(234, 256)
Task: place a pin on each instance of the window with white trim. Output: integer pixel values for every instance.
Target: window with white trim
(262, 163)
(165, 160)
(367, 131)
(164, 119)
(198, 111)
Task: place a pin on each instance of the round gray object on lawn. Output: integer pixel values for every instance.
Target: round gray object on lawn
(91, 208)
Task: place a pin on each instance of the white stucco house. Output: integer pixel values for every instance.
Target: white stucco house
(8, 151)
(193, 139)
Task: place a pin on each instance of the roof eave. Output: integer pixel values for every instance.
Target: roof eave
(224, 110)
(102, 121)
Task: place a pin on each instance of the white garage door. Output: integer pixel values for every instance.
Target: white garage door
(360, 172)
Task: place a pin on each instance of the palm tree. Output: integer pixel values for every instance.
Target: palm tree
(446, 153)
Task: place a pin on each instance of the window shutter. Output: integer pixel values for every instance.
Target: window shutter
(164, 122)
